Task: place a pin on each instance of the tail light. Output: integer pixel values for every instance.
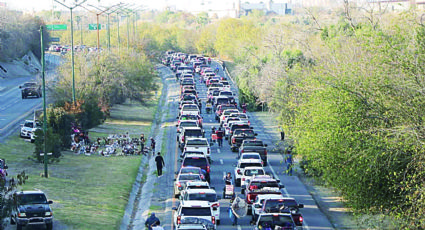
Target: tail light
(179, 184)
(239, 171)
(208, 169)
(179, 219)
(248, 197)
(213, 219)
(265, 152)
(242, 151)
(216, 205)
(243, 178)
(233, 140)
(183, 139)
(301, 219)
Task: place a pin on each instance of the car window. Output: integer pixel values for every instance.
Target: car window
(251, 156)
(273, 220)
(195, 211)
(197, 142)
(197, 162)
(193, 133)
(32, 199)
(228, 93)
(248, 133)
(29, 124)
(189, 177)
(211, 197)
(222, 101)
(264, 184)
(251, 172)
(188, 124)
(190, 170)
(190, 107)
(253, 143)
(243, 165)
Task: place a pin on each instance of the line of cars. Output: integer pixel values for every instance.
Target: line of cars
(268, 207)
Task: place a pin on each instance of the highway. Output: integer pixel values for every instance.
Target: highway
(159, 191)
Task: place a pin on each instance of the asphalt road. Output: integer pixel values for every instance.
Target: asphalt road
(223, 161)
(14, 109)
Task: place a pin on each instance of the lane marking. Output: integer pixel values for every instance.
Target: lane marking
(239, 227)
(221, 161)
(218, 150)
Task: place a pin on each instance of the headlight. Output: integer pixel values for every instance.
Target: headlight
(22, 214)
(48, 213)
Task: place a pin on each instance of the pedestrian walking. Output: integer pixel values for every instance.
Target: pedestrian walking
(142, 142)
(159, 164)
(220, 135)
(224, 66)
(152, 220)
(153, 143)
(282, 134)
(289, 162)
(244, 107)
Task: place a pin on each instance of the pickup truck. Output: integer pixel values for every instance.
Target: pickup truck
(198, 145)
(240, 168)
(239, 135)
(221, 108)
(257, 146)
(260, 185)
(188, 133)
(284, 205)
(275, 221)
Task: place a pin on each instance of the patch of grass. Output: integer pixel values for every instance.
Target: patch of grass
(155, 208)
(89, 192)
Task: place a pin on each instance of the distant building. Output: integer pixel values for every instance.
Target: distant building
(268, 7)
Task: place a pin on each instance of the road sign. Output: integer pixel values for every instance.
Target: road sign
(54, 39)
(57, 27)
(94, 26)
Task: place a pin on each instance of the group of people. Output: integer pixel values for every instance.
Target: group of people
(142, 144)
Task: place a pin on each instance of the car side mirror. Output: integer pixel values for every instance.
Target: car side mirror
(20, 87)
(256, 134)
(300, 205)
(50, 202)
(174, 179)
(174, 208)
(265, 145)
(251, 127)
(281, 186)
(177, 125)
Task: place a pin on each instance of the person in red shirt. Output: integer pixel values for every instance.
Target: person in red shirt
(220, 135)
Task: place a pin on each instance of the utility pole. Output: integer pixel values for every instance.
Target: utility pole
(72, 45)
(43, 63)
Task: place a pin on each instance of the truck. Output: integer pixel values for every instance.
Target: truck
(239, 135)
(257, 146)
(260, 185)
(198, 145)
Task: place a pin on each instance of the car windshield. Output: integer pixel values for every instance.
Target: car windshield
(195, 161)
(188, 124)
(242, 116)
(197, 187)
(222, 101)
(247, 133)
(190, 107)
(196, 211)
(228, 112)
(251, 156)
(30, 84)
(197, 142)
(190, 170)
(252, 172)
(270, 221)
(253, 143)
(29, 124)
(211, 197)
(32, 199)
(243, 165)
(215, 93)
(264, 184)
(193, 133)
(189, 177)
(226, 93)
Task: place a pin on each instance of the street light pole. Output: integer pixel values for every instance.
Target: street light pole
(43, 63)
(72, 46)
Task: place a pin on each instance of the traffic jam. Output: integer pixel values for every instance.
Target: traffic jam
(222, 181)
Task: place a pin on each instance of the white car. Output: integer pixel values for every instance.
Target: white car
(193, 185)
(250, 155)
(258, 203)
(242, 116)
(196, 209)
(186, 123)
(249, 172)
(227, 113)
(194, 144)
(242, 164)
(180, 182)
(228, 129)
(204, 195)
(191, 109)
(29, 127)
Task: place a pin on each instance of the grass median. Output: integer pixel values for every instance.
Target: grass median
(89, 192)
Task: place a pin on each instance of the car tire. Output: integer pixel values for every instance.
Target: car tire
(18, 226)
(49, 226)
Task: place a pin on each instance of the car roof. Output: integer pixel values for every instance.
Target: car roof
(200, 155)
(209, 190)
(270, 196)
(195, 183)
(192, 128)
(249, 160)
(30, 192)
(254, 167)
(197, 138)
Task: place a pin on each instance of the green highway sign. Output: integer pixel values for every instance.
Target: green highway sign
(57, 27)
(94, 26)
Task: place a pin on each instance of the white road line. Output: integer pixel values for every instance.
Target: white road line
(239, 227)
(219, 151)
(224, 174)
(221, 161)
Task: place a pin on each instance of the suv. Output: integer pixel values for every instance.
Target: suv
(240, 135)
(182, 179)
(189, 132)
(29, 128)
(30, 89)
(197, 209)
(204, 195)
(31, 208)
(257, 204)
(257, 146)
(198, 160)
(240, 167)
(274, 221)
(284, 205)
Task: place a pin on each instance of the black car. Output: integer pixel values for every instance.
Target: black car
(30, 89)
(240, 135)
(198, 160)
(31, 208)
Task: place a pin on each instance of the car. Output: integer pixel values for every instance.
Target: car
(189, 109)
(235, 125)
(228, 121)
(193, 170)
(274, 221)
(197, 185)
(190, 117)
(31, 208)
(184, 124)
(240, 167)
(260, 185)
(249, 172)
(221, 108)
(198, 144)
(204, 195)
(258, 204)
(284, 205)
(187, 133)
(227, 113)
(30, 89)
(29, 127)
(239, 135)
(257, 146)
(198, 160)
(197, 209)
(180, 182)
(250, 155)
